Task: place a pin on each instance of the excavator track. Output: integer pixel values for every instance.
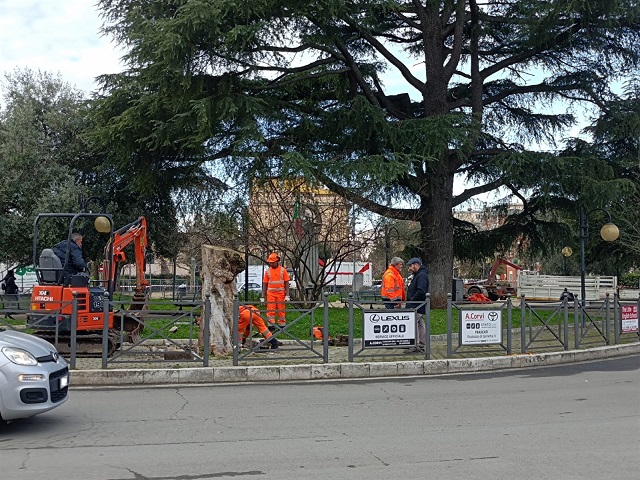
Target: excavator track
(87, 345)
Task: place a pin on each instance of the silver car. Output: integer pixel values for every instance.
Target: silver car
(34, 378)
(253, 287)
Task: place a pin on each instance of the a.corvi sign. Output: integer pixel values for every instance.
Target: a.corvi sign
(480, 327)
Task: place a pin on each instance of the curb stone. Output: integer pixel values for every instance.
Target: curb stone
(276, 373)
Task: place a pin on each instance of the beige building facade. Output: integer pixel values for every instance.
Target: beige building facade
(290, 215)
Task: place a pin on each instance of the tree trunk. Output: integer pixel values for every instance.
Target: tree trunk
(436, 228)
(220, 266)
(164, 267)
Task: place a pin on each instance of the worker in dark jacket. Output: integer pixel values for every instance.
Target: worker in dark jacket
(75, 264)
(416, 296)
(10, 292)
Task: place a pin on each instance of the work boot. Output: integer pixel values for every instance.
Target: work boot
(264, 347)
(273, 329)
(274, 343)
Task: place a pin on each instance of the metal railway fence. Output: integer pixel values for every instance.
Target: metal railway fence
(151, 339)
(297, 339)
(472, 329)
(385, 333)
(502, 328)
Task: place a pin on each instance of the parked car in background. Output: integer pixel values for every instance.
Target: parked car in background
(34, 378)
(253, 287)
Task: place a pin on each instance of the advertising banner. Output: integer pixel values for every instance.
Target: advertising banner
(389, 328)
(25, 278)
(629, 317)
(480, 327)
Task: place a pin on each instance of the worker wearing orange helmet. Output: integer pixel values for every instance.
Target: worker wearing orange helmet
(251, 315)
(392, 290)
(275, 289)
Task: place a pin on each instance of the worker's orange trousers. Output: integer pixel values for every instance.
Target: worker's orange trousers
(250, 316)
(276, 308)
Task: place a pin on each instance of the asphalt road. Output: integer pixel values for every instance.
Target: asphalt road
(579, 421)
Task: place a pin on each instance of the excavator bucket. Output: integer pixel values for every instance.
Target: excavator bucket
(134, 318)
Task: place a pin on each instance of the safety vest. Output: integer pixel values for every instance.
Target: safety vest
(275, 278)
(392, 285)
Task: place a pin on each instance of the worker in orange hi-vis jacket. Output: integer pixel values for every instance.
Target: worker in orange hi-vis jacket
(275, 289)
(392, 290)
(251, 315)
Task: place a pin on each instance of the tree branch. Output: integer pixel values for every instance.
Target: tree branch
(402, 68)
(350, 195)
(472, 192)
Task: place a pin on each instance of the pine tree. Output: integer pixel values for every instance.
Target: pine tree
(385, 102)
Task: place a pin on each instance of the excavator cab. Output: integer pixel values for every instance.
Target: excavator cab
(51, 298)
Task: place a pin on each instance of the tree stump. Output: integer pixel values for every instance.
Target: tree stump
(220, 267)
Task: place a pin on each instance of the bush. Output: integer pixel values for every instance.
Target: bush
(630, 280)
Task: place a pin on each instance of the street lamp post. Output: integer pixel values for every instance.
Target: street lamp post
(388, 230)
(609, 233)
(566, 252)
(354, 245)
(245, 234)
(387, 246)
(194, 265)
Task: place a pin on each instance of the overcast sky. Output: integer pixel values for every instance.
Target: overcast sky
(57, 36)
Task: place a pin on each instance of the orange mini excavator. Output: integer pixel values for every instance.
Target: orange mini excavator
(52, 298)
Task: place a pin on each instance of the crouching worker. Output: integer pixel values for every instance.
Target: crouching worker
(248, 314)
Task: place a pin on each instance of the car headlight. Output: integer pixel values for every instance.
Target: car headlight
(19, 356)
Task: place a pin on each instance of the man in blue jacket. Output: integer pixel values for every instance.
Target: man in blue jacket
(416, 296)
(76, 261)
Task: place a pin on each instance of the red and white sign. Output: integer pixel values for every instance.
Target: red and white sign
(629, 317)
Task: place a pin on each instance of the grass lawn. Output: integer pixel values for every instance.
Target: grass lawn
(338, 318)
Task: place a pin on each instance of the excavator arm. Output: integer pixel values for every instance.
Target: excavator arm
(500, 261)
(135, 233)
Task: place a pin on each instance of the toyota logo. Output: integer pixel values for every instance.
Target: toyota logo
(55, 356)
(493, 316)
